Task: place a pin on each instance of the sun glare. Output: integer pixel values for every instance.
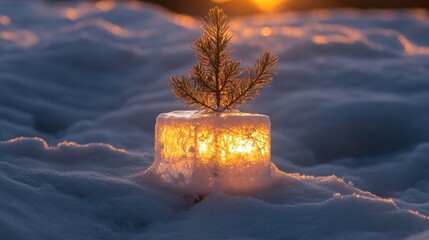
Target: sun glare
(268, 5)
(220, 1)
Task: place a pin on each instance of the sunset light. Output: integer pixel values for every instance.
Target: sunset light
(105, 5)
(268, 5)
(71, 14)
(236, 147)
(214, 119)
(266, 31)
(4, 20)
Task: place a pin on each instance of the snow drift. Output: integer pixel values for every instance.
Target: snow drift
(82, 84)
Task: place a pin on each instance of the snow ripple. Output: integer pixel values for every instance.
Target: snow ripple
(82, 84)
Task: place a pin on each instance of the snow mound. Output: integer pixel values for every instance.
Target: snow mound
(90, 191)
(82, 85)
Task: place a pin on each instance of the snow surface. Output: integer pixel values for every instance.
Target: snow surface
(351, 99)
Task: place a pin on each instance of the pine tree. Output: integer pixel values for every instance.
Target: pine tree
(216, 82)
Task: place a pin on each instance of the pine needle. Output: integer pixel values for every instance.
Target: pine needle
(215, 83)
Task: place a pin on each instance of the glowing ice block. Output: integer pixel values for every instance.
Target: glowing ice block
(225, 151)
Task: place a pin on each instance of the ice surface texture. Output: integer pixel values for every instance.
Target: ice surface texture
(217, 150)
(351, 98)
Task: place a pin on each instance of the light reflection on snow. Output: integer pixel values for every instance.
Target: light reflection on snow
(412, 49)
(71, 14)
(260, 25)
(61, 145)
(4, 20)
(292, 31)
(387, 73)
(105, 5)
(421, 14)
(21, 38)
(21, 139)
(114, 29)
(321, 14)
(185, 21)
(369, 197)
(418, 214)
(248, 32)
(266, 31)
(320, 39)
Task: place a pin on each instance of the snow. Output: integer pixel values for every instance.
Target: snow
(81, 88)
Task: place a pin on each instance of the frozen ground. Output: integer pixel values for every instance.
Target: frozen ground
(351, 99)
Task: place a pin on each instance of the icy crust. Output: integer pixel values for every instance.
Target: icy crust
(236, 115)
(205, 151)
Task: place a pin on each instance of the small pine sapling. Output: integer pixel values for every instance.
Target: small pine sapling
(216, 82)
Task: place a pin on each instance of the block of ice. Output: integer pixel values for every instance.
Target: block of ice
(226, 151)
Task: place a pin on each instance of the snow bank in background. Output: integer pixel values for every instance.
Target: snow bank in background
(350, 100)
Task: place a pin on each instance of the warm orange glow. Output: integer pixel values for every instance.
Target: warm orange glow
(292, 32)
(71, 14)
(4, 20)
(418, 214)
(421, 14)
(412, 49)
(321, 39)
(105, 5)
(227, 145)
(268, 5)
(266, 31)
(115, 29)
(221, 1)
(247, 32)
(235, 146)
(185, 20)
(64, 145)
(23, 38)
(7, 36)
(135, 4)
